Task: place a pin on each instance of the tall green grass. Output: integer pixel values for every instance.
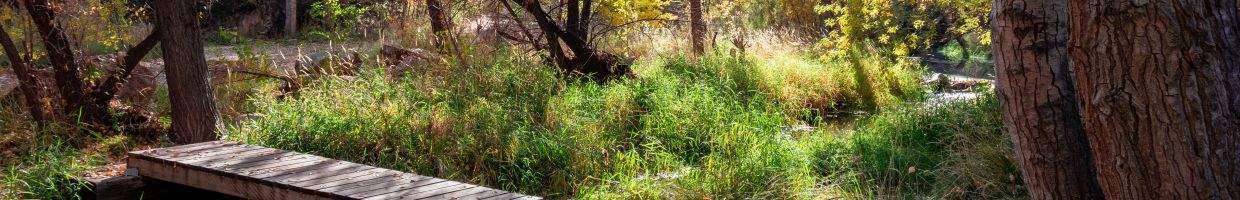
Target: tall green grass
(47, 173)
(713, 127)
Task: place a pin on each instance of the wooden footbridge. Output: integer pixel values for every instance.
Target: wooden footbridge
(254, 172)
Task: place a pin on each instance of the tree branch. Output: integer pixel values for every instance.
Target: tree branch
(103, 93)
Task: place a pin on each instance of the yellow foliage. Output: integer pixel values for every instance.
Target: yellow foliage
(618, 12)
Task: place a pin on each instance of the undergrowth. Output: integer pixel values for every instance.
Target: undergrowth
(713, 127)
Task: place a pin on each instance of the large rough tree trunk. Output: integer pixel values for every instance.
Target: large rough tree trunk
(1153, 81)
(697, 28)
(1038, 99)
(25, 78)
(189, 86)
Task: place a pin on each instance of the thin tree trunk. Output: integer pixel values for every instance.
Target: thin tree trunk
(290, 18)
(1038, 99)
(29, 85)
(65, 67)
(189, 87)
(587, 7)
(1153, 81)
(697, 28)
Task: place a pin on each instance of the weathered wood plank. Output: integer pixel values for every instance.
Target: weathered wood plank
(357, 193)
(261, 173)
(191, 152)
(440, 191)
(275, 169)
(416, 190)
(459, 194)
(336, 168)
(336, 180)
(352, 181)
(396, 179)
(215, 182)
(508, 196)
(485, 194)
(327, 177)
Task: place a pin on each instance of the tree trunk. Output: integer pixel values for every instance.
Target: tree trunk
(440, 23)
(189, 86)
(697, 28)
(1038, 99)
(1155, 97)
(28, 85)
(65, 67)
(290, 18)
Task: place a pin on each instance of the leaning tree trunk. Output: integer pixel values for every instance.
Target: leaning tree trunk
(25, 78)
(1153, 81)
(585, 60)
(1038, 99)
(697, 28)
(66, 71)
(189, 87)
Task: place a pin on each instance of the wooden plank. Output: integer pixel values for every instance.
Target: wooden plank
(395, 179)
(459, 194)
(215, 182)
(207, 155)
(188, 147)
(270, 167)
(255, 172)
(485, 194)
(293, 168)
(440, 191)
(369, 174)
(316, 179)
(362, 193)
(260, 164)
(336, 168)
(508, 196)
(207, 148)
(256, 156)
(251, 156)
(416, 190)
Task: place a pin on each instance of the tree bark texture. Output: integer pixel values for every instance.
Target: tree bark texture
(25, 78)
(1038, 99)
(1156, 81)
(65, 67)
(440, 22)
(290, 18)
(189, 87)
(697, 27)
